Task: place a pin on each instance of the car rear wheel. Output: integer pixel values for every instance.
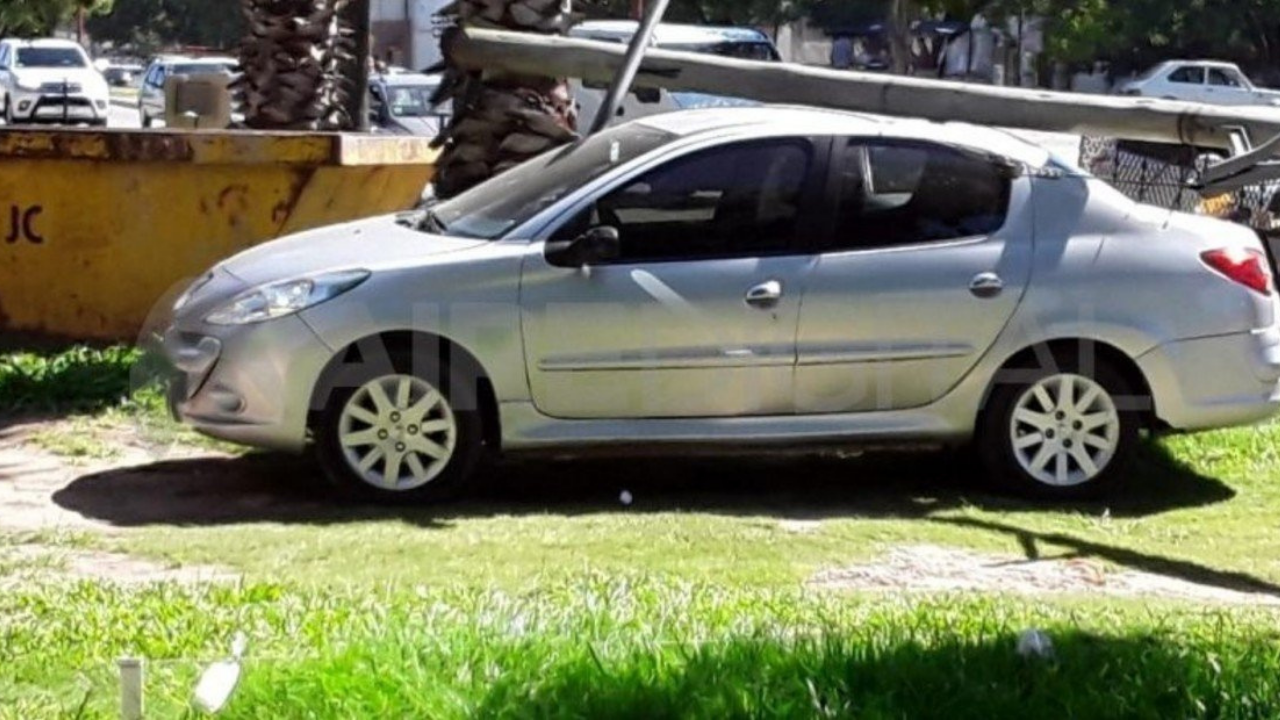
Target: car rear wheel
(400, 437)
(143, 119)
(1063, 433)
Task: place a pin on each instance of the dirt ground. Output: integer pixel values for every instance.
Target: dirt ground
(927, 568)
(44, 496)
(30, 478)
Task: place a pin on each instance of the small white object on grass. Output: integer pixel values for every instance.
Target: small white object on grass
(220, 679)
(1035, 644)
(131, 704)
(625, 497)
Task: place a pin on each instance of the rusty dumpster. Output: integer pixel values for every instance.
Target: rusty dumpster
(97, 226)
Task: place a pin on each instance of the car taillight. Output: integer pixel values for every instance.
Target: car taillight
(1245, 266)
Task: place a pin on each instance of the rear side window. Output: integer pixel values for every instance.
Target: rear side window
(1223, 78)
(907, 193)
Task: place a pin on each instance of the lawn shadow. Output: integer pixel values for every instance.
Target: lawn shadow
(1030, 541)
(925, 672)
(278, 488)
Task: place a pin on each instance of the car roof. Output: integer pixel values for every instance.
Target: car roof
(406, 78)
(206, 60)
(1202, 63)
(44, 42)
(668, 33)
(795, 120)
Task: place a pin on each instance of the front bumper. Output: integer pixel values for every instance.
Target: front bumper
(1216, 382)
(249, 384)
(36, 107)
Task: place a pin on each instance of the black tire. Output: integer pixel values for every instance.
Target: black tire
(459, 391)
(145, 119)
(995, 436)
(8, 112)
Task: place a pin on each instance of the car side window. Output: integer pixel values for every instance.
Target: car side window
(1223, 78)
(1188, 74)
(740, 200)
(893, 193)
(4, 57)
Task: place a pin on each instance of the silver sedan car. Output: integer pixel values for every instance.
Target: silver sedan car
(747, 278)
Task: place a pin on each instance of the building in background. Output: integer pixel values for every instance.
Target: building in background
(407, 32)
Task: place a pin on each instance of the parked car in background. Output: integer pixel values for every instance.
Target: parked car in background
(400, 104)
(1218, 83)
(122, 75)
(50, 81)
(739, 279)
(734, 42)
(151, 100)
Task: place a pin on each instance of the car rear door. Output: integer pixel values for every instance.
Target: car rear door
(697, 317)
(928, 255)
(1227, 87)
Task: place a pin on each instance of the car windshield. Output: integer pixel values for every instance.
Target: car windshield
(410, 100)
(734, 49)
(1152, 72)
(492, 208)
(47, 57)
(203, 68)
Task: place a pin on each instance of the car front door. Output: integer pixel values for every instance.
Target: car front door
(927, 257)
(1186, 82)
(153, 93)
(697, 314)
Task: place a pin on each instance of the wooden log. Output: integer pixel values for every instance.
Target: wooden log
(1145, 119)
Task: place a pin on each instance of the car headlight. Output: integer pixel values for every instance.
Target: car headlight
(280, 299)
(28, 85)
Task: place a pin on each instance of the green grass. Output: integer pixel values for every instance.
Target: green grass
(75, 379)
(543, 596)
(630, 647)
(102, 396)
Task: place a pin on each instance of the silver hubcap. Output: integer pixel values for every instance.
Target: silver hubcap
(1065, 430)
(397, 432)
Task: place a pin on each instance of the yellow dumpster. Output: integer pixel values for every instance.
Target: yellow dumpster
(96, 226)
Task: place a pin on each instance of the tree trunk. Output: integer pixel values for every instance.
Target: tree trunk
(901, 15)
(295, 59)
(501, 119)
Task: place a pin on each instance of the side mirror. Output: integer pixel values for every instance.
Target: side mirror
(599, 244)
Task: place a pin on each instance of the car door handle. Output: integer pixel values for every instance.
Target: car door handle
(986, 285)
(764, 295)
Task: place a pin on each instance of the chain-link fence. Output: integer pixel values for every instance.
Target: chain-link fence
(1158, 174)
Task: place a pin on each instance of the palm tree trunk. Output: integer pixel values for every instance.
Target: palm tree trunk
(294, 61)
(901, 15)
(499, 119)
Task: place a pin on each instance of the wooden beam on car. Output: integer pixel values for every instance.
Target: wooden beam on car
(1144, 119)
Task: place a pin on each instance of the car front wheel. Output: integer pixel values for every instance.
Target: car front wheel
(1061, 433)
(398, 436)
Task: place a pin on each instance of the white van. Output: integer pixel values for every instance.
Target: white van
(737, 42)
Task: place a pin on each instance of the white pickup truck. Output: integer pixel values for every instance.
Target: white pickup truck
(1204, 81)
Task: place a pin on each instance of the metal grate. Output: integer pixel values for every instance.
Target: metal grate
(1157, 174)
